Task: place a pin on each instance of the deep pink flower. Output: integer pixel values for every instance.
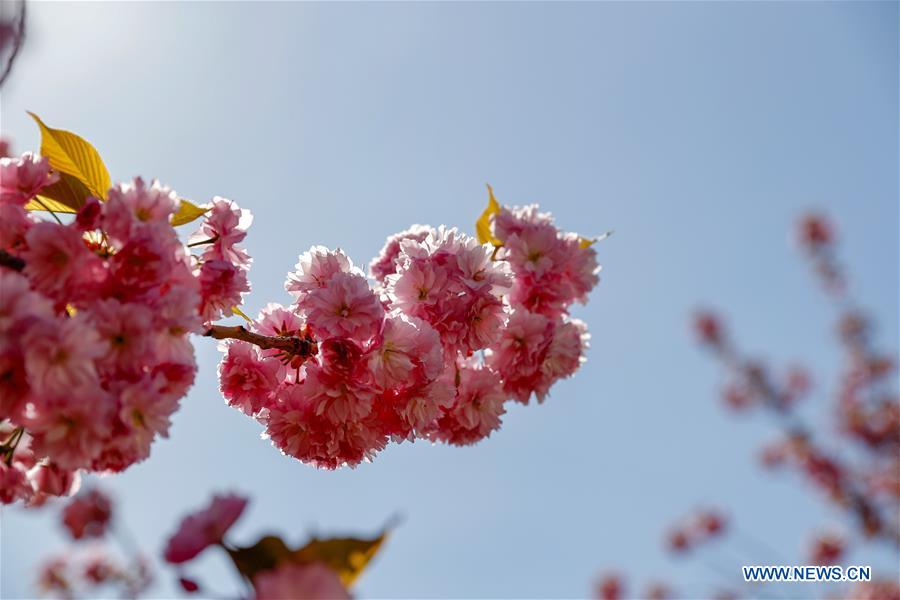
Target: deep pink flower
(14, 485)
(60, 355)
(88, 514)
(204, 528)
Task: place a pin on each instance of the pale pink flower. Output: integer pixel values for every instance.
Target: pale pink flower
(22, 178)
(88, 514)
(204, 528)
(225, 224)
(316, 267)
(292, 581)
(246, 380)
(58, 263)
(335, 397)
(513, 220)
(386, 262)
(130, 205)
(566, 352)
(476, 410)
(60, 355)
(407, 351)
(275, 319)
(222, 286)
(520, 352)
(344, 307)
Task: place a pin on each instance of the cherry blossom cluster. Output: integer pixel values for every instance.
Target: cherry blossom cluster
(445, 333)
(95, 316)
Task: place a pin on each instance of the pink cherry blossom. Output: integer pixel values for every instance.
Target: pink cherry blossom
(386, 262)
(476, 409)
(60, 355)
(57, 261)
(225, 224)
(222, 286)
(204, 528)
(290, 581)
(344, 306)
(246, 379)
(316, 267)
(131, 205)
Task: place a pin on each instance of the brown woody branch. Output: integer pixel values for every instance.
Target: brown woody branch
(18, 40)
(292, 345)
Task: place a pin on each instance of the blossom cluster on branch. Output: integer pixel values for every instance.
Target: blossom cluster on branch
(95, 316)
(96, 310)
(450, 331)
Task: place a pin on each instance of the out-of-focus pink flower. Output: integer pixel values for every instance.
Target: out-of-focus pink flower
(290, 581)
(22, 178)
(14, 485)
(204, 528)
(88, 514)
(815, 231)
(610, 587)
(52, 480)
(827, 549)
(188, 585)
(708, 327)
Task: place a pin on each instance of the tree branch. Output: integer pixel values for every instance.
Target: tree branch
(291, 345)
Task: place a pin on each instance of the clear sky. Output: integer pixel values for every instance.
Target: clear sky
(697, 131)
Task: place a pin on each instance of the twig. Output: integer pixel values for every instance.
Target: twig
(292, 345)
(17, 43)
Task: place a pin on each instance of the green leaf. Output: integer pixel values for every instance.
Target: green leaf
(72, 155)
(347, 556)
(187, 212)
(483, 224)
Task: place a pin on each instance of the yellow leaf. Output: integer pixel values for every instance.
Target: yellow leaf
(65, 196)
(588, 242)
(483, 224)
(48, 204)
(267, 553)
(187, 212)
(240, 313)
(73, 155)
(347, 556)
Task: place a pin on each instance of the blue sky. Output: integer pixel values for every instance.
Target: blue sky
(698, 131)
